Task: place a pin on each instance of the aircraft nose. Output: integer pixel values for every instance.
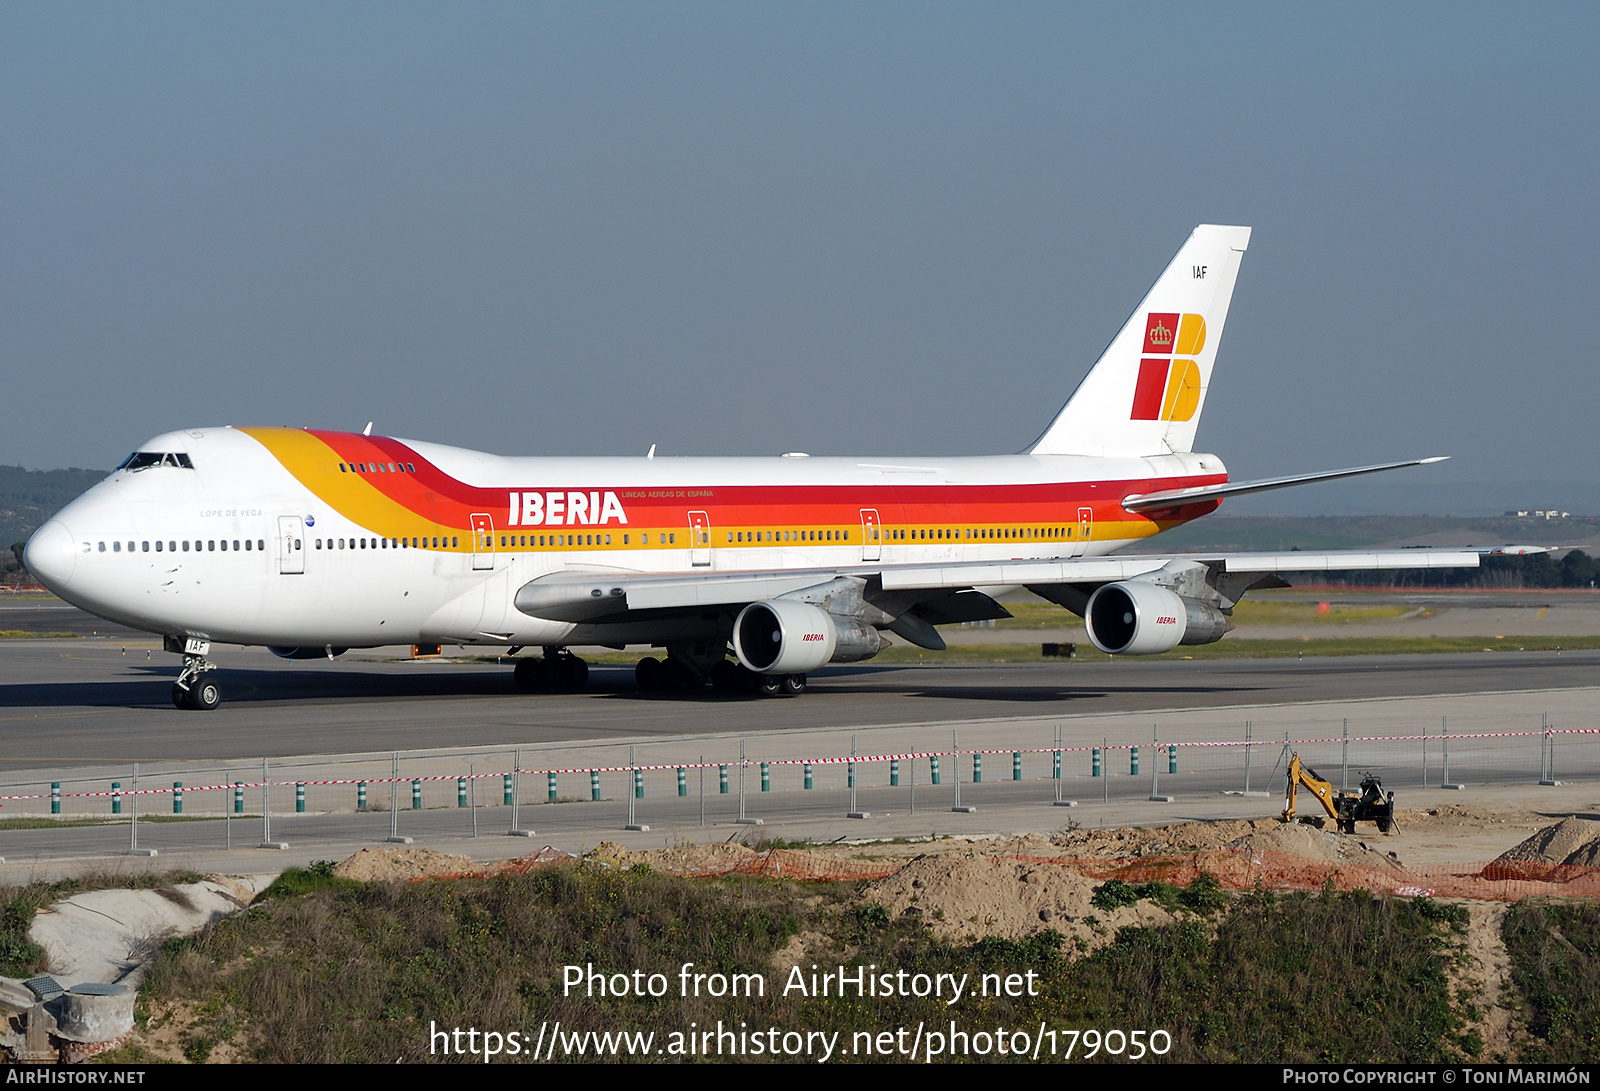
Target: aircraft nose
(51, 554)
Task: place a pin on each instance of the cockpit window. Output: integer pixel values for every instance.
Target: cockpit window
(143, 460)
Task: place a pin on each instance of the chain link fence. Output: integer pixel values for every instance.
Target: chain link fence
(556, 790)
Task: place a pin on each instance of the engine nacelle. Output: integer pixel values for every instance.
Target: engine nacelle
(781, 636)
(1136, 618)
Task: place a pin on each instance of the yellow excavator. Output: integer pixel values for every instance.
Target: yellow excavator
(1345, 808)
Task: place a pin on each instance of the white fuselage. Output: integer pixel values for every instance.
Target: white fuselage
(316, 539)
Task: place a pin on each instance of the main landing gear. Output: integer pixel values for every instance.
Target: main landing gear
(558, 671)
(677, 675)
(193, 690)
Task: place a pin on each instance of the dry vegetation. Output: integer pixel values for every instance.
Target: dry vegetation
(354, 962)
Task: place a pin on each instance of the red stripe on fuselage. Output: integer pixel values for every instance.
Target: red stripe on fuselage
(437, 496)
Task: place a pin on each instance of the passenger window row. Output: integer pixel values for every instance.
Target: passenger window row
(533, 541)
(377, 468)
(209, 545)
(387, 543)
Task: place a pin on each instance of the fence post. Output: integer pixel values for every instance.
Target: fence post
(300, 797)
(594, 786)
(1155, 767)
(394, 799)
(1247, 749)
(550, 786)
(743, 819)
(1444, 724)
(977, 773)
(416, 794)
(55, 797)
(635, 792)
(683, 782)
(1055, 772)
(850, 780)
(461, 791)
(1016, 765)
(808, 776)
(1344, 758)
(116, 797)
(894, 772)
(1547, 754)
(238, 797)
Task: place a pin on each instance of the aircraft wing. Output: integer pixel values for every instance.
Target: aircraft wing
(596, 595)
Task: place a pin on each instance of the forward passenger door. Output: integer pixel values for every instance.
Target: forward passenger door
(291, 545)
(482, 541)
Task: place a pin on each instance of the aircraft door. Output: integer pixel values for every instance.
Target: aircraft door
(699, 539)
(871, 534)
(482, 541)
(1085, 529)
(291, 545)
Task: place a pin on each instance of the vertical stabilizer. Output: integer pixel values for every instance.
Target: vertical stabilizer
(1144, 395)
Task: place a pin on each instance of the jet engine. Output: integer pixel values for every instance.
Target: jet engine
(781, 636)
(1135, 618)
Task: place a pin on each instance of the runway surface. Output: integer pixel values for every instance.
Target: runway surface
(78, 701)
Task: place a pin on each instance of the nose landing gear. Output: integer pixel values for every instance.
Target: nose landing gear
(193, 690)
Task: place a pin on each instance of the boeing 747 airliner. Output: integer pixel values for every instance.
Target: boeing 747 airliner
(748, 572)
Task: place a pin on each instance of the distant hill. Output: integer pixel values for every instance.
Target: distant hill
(29, 497)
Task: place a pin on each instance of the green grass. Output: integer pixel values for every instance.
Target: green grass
(1251, 611)
(1555, 964)
(1229, 648)
(324, 970)
(48, 822)
(26, 634)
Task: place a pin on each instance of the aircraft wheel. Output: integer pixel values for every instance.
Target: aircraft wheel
(676, 676)
(648, 674)
(530, 674)
(204, 695)
(574, 673)
(792, 685)
(725, 677)
(180, 696)
(769, 685)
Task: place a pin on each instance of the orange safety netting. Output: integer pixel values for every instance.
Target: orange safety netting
(1497, 881)
(1281, 871)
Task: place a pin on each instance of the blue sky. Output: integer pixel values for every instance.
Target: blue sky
(888, 229)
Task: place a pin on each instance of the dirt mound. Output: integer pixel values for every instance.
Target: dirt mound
(965, 896)
(382, 863)
(675, 859)
(1296, 839)
(1571, 841)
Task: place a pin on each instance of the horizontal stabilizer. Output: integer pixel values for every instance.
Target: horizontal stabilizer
(1176, 498)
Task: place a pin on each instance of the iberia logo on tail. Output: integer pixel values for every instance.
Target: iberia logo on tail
(1168, 387)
